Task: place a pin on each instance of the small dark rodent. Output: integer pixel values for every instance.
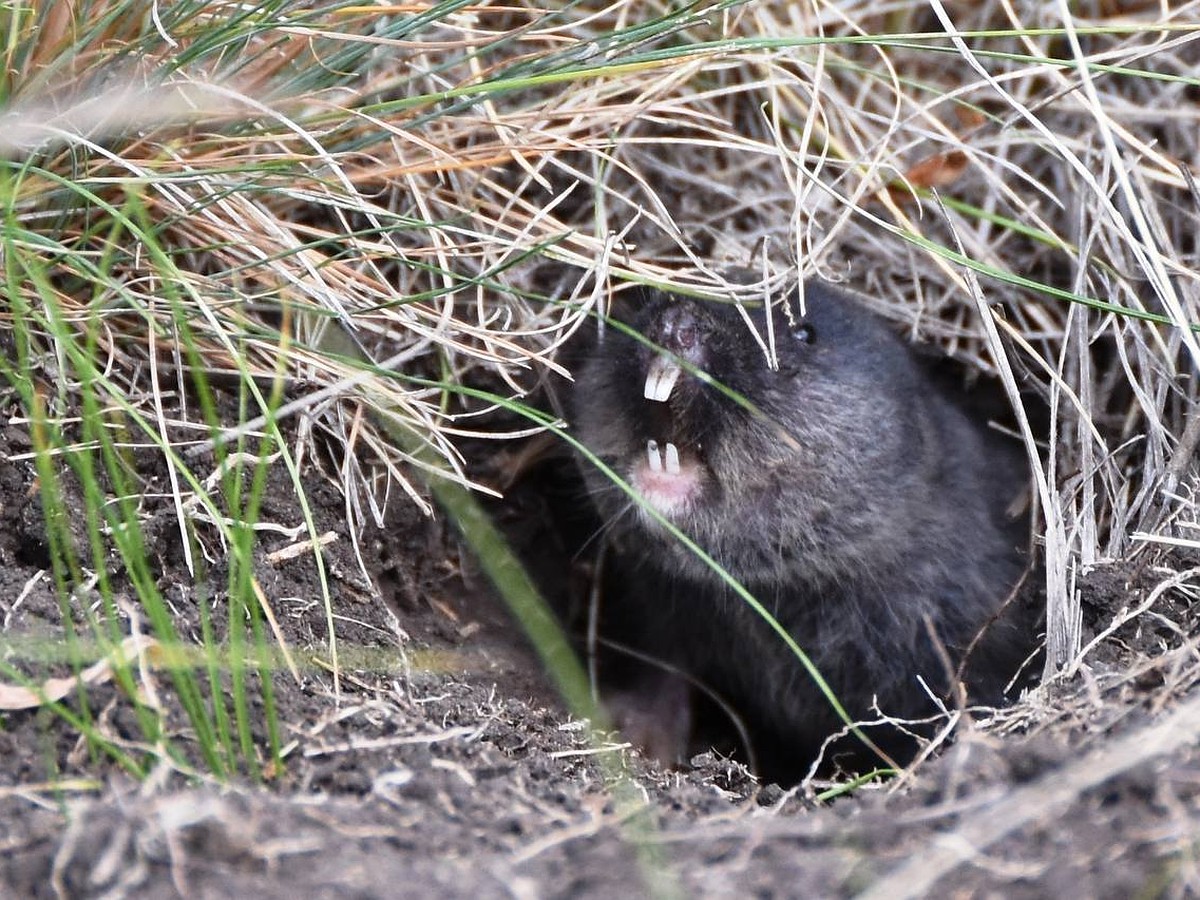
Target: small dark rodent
(851, 495)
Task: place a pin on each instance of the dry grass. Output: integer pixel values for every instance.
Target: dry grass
(368, 207)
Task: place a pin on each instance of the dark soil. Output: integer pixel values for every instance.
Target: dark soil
(441, 764)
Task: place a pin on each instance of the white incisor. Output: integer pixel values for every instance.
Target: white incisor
(661, 378)
(662, 462)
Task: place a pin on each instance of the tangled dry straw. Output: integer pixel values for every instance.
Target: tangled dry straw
(457, 187)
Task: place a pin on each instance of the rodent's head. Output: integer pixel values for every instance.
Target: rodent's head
(768, 468)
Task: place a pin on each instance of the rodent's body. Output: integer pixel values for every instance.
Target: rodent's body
(849, 495)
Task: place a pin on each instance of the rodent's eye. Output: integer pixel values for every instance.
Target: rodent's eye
(805, 333)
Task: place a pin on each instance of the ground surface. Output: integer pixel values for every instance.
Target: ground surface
(443, 765)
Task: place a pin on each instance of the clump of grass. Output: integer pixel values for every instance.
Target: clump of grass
(340, 214)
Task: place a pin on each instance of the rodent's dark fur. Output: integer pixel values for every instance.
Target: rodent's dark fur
(856, 501)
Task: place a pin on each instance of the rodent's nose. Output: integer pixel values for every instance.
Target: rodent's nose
(678, 330)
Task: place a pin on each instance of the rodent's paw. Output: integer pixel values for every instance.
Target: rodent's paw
(655, 715)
